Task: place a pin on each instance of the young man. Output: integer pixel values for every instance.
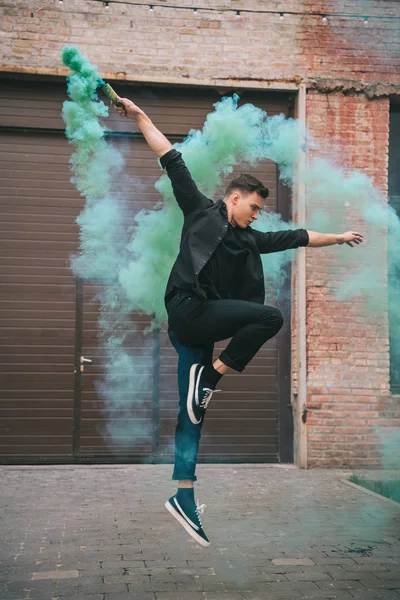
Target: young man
(215, 291)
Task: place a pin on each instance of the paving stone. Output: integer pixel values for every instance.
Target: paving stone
(55, 575)
(281, 570)
(322, 561)
(103, 588)
(227, 595)
(372, 567)
(208, 584)
(34, 595)
(265, 577)
(18, 586)
(375, 595)
(340, 585)
(292, 561)
(388, 584)
(289, 586)
(368, 560)
(140, 595)
(181, 596)
(395, 575)
(156, 586)
(67, 587)
(342, 574)
(329, 595)
(305, 576)
(84, 597)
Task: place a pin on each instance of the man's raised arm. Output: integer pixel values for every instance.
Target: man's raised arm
(153, 136)
(186, 193)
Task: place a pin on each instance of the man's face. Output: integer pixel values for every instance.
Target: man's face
(246, 207)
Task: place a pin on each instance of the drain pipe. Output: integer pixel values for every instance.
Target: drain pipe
(300, 399)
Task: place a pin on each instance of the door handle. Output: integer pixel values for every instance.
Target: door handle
(85, 361)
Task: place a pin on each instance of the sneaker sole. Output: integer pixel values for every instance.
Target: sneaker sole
(182, 521)
(190, 395)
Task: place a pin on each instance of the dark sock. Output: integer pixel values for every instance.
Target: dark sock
(211, 375)
(185, 494)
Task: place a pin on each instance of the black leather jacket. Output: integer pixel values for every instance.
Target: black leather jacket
(205, 224)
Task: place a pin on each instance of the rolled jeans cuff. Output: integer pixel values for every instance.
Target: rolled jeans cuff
(182, 477)
(223, 357)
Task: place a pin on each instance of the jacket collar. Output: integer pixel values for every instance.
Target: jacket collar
(223, 209)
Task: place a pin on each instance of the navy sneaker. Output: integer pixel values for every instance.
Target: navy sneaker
(199, 394)
(187, 514)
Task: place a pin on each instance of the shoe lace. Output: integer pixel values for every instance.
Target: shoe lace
(199, 509)
(207, 397)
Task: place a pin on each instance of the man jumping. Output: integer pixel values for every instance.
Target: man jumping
(215, 291)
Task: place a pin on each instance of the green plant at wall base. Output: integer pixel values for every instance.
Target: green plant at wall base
(389, 489)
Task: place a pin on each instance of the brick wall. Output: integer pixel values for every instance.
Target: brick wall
(349, 70)
(347, 346)
(178, 45)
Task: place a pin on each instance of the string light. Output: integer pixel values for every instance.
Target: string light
(60, 1)
(324, 17)
(106, 5)
(151, 9)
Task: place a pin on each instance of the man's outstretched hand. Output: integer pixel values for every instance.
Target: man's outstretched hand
(351, 237)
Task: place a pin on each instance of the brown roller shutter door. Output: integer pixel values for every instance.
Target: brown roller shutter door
(44, 414)
(38, 210)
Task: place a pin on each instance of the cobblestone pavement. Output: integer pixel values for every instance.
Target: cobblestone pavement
(276, 532)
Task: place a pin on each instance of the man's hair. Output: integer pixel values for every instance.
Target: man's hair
(247, 183)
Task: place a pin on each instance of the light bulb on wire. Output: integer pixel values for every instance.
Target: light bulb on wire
(324, 20)
(107, 5)
(365, 21)
(281, 17)
(238, 14)
(151, 9)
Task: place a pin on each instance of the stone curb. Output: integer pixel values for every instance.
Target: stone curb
(370, 492)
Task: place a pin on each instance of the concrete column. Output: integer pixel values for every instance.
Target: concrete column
(300, 399)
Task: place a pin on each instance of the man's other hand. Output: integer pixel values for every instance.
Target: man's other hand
(351, 237)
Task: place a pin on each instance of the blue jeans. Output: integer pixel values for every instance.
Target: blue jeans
(187, 435)
(194, 325)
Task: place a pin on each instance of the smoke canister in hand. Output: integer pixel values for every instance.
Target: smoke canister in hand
(110, 92)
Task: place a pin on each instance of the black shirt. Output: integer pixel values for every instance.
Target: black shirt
(220, 278)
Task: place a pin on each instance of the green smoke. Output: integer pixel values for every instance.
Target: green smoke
(103, 251)
(347, 198)
(133, 259)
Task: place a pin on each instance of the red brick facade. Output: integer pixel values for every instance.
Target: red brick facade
(349, 69)
(171, 44)
(347, 347)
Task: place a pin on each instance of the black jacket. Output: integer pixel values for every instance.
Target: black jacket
(205, 224)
